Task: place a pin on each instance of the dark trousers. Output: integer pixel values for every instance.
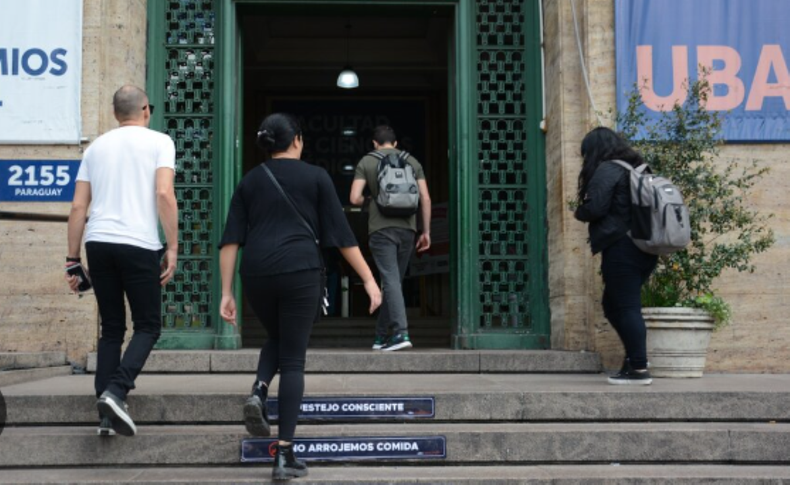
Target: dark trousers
(625, 269)
(287, 305)
(115, 270)
(391, 249)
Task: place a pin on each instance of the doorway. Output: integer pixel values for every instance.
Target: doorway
(289, 62)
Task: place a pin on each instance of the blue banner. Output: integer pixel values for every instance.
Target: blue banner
(361, 408)
(744, 43)
(353, 448)
(38, 180)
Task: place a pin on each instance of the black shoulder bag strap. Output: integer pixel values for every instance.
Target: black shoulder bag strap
(294, 209)
(324, 291)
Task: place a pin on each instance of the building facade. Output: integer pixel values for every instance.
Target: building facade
(491, 95)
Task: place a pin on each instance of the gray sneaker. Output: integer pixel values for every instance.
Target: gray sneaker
(117, 412)
(105, 427)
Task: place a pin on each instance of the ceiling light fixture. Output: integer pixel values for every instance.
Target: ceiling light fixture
(348, 79)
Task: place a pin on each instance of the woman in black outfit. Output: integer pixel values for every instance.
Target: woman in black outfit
(282, 271)
(604, 199)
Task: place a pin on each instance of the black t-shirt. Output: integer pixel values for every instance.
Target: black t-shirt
(274, 239)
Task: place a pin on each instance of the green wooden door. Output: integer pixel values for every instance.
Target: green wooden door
(503, 296)
(181, 84)
(498, 186)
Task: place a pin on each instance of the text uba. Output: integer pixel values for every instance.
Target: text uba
(727, 72)
(32, 62)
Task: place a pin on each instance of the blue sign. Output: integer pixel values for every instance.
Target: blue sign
(361, 408)
(38, 180)
(350, 449)
(744, 43)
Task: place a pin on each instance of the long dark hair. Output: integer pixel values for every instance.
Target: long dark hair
(277, 132)
(600, 145)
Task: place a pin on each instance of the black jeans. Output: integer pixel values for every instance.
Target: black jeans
(391, 248)
(115, 270)
(287, 305)
(625, 269)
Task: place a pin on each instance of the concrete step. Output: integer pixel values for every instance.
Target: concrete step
(469, 444)
(368, 361)
(31, 360)
(433, 475)
(217, 398)
(20, 376)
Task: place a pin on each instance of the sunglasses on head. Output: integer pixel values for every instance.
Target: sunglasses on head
(150, 108)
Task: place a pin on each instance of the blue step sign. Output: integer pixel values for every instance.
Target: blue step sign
(320, 408)
(352, 448)
(38, 180)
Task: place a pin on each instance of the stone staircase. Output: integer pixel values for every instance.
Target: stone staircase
(18, 367)
(506, 417)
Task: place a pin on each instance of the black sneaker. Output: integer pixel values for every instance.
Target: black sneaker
(117, 412)
(398, 342)
(105, 427)
(256, 415)
(630, 377)
(627, 363)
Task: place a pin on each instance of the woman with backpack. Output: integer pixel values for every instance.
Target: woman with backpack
(283, 212)
(604, 201)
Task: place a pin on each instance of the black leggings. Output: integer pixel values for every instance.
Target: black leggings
(625, 269)
(287, 305)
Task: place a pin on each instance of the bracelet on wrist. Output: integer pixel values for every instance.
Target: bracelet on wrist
(73, 260)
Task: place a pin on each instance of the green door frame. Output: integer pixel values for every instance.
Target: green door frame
(221, 335)
(463, 158)
(470, 334)
(462, 138)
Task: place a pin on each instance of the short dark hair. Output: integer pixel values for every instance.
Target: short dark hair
(128, 102)
(277, 132)
(384, 134)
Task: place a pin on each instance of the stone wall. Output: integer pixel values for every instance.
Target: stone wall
(38, 313)
(759, 338)
(36, 310)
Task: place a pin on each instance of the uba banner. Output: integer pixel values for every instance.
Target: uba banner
(40, 71)
(744, 43)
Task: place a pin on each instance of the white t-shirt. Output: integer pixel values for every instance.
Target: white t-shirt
(121, 167)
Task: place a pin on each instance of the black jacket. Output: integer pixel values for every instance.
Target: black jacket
(607, 206)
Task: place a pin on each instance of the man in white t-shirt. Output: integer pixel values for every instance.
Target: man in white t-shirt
(126, 178)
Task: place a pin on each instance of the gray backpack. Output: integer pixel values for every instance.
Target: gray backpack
(398, 195)
(659, 218)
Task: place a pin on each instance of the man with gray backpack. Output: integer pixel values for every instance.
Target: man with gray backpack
(398, 191)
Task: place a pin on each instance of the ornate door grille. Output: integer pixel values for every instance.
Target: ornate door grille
(511, 266)
(187, 96)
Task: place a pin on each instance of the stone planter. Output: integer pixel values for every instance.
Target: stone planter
(677, 341)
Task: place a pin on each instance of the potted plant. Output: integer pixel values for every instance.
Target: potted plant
(681, 305)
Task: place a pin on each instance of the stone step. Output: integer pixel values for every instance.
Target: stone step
(469, 444)
(429, 475)
(217, 398)
(20, 376)
(31, 360)
(357, 333)
(369, 361)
